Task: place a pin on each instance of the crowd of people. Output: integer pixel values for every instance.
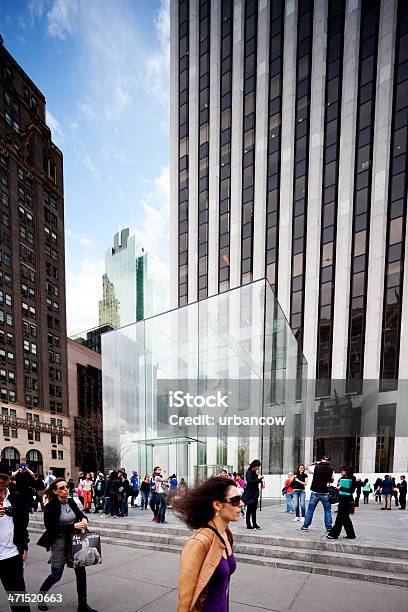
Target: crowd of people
(207, 560)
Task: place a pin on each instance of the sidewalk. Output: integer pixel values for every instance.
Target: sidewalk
(132, 579)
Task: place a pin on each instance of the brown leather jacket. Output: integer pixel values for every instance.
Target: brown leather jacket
(199, 559)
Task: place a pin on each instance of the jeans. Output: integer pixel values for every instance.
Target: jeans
(251, 514)
(12, 578)
(133, 498)
(99, 503)
(161, 515)
(56, 575)
(144, 499)
(155, 503)
(107, 506)
(299, 499)
(289, 502)
(314, 500)
(366, 495)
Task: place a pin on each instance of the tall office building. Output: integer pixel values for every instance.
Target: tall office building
(127, 286)
(289, 124)
(33, 348)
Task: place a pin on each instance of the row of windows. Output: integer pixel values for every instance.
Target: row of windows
(6, 356)
(6, 298)
(369, 26)
(396, 215)
(7, 376)
(248, 142)
(7, 395)
(29, 329)
(203, 145)
(277, 20)
(184, 43)
(225, 148)
(302, 116)
(334, 63)
(6, 318)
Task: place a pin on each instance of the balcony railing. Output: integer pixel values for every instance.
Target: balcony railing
(34, 425)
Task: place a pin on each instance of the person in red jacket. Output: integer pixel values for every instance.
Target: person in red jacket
(289, 493)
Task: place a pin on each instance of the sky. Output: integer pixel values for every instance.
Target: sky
(103, 67)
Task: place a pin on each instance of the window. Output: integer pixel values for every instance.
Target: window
(60, 455)
(53, 454)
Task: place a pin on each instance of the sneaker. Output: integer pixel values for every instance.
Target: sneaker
(330, 537)
(296, 519)
(303, 528)
(302, 519)
(258, 527)
(347, 538)
(154, 519)
(250, 527)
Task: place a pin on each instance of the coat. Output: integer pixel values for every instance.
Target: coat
(199, 559)
(251, 492)
(52, 513)
(20, 514)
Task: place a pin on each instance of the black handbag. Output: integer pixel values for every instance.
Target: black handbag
(333, 495)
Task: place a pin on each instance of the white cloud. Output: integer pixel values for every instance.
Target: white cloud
(158, 65)
(55, 127)
(61, 18)
(84, 289)
(88, 163)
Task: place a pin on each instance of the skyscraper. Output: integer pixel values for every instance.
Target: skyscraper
(289, 129)
(33, 349)
(127, 286)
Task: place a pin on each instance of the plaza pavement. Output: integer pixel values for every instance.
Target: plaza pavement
(132, 579)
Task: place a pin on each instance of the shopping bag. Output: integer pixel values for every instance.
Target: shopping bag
(86, 549)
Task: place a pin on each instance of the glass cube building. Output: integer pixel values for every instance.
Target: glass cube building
(238, 343)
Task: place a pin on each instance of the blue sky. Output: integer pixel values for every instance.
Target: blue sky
(103, 67)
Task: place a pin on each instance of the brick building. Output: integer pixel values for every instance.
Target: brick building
(33, 351)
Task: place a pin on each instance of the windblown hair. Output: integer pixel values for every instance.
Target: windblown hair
(51, 492)
(196, 508)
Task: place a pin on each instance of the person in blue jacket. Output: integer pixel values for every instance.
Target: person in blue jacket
(386, 490)
(134, 488)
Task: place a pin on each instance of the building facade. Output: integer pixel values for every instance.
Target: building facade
(127, 287)
(289, 125)
(85, 407)
(92, 337)
(33, 354)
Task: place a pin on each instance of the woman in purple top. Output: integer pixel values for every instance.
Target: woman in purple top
(207, 560)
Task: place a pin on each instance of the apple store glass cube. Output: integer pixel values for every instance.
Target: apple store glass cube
(237, 345)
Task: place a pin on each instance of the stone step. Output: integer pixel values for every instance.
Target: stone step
(328, 569)
(312, 554)
(122, 527)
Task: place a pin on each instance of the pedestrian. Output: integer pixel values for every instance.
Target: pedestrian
(322, 476)
(99, 492)
(366, 490)
(182, 488)
(161, 490)
(87, 486)
(49, 478)
(173, 482)
(144, 492)
(251, 494)
(14, 516)
(107, 504)
(386, 492)
(287, 488)
(240, 484)
(39, 488)
(71, 487)
(377, 490)
(395, 491)
(207, 560)
(115, 483)
(123, 493)
(402, 488)
(62, 518)
(134, 488)
(359, 486)
(346, 490)
(299, 483)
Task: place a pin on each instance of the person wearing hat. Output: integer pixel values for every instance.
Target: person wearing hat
(322, 476)
(13, 538)
(134, 483)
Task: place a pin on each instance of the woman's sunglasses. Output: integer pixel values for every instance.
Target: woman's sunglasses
(62, 487)
(234, 501)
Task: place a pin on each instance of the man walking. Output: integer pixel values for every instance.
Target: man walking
(13, 540)
(402, 487)
(322, 475)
